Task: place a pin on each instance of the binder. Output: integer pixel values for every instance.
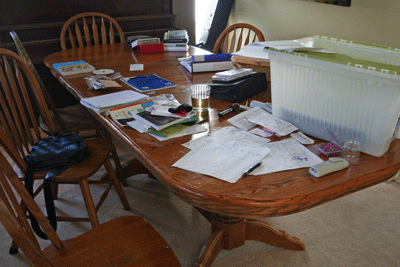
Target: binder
(151, 48)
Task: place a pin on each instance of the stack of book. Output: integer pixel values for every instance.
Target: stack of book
(176, 40)
(204, 63)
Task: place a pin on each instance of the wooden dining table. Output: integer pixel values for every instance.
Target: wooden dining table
(232, 208)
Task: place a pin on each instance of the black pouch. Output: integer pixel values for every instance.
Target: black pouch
(54, 153)
(240, 90)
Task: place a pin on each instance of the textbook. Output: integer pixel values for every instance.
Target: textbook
(103, 103)
(194, 67)
(212, 57)
(162, 122)
(73, 67)
(147, 82)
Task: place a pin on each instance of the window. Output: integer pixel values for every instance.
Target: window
(201, 11)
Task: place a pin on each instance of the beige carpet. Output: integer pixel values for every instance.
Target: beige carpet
(362, 229)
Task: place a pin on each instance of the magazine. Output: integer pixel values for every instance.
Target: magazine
(147, 82)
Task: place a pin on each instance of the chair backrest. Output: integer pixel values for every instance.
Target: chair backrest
(233, 38)
(80, 23)
(21, 102)
(25, 57)
(14, 220)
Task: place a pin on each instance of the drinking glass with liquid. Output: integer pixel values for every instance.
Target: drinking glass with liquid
(200, 95)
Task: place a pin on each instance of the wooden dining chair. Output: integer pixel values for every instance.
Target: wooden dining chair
(90, 28)
(233, 38)
(20, 103)
(124, 241)
(73, 119)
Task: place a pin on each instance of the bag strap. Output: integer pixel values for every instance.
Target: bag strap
(48, 196)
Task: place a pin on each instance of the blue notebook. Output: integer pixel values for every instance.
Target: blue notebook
(147, 82)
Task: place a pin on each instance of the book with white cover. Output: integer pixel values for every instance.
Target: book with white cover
(103, 103)
(194, 67)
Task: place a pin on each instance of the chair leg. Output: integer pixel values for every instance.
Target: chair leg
(13, 249)
(118, 166)
(87, 197)
(114, 155)
(117, 184)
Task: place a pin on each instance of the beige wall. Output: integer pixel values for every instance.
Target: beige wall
(372, 21)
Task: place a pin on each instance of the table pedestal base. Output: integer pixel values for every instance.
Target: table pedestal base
(232, 232)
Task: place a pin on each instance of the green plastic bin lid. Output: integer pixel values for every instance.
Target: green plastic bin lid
(347, 60)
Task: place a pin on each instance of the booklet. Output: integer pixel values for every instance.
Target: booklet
(147, 82)
(73, 67)
(124, 114)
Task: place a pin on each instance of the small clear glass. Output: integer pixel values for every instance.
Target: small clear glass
(351, 151)
(200, 95)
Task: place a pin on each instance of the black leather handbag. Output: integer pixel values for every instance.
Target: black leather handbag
(54, 153)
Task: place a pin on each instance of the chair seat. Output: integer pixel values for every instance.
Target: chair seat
(124, 241)
(75, 118)
(98, 149)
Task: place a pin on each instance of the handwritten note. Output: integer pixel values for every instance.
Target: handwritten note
(263, 118)
(286, 155)
(228, 133)
(222, 158)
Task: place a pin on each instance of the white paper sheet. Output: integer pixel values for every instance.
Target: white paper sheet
(286, 155)
(197, 128)
(265, 119)
(283, 155)
(253, 50)
(222, 158)
(240, 120)
(231, 133)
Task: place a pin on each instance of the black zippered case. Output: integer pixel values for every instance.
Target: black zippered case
(239, 90)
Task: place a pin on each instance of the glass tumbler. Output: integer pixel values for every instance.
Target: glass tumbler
(351, 151)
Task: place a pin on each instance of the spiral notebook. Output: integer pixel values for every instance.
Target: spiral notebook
(147, 82)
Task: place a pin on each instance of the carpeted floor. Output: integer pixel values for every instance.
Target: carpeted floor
(361, 229)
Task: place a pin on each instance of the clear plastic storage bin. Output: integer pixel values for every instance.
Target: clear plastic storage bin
(354, 92)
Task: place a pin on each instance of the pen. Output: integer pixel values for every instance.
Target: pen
(228, 110)
(252, 169)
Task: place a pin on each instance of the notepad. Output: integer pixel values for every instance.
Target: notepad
(103, 103)
(147, 82)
